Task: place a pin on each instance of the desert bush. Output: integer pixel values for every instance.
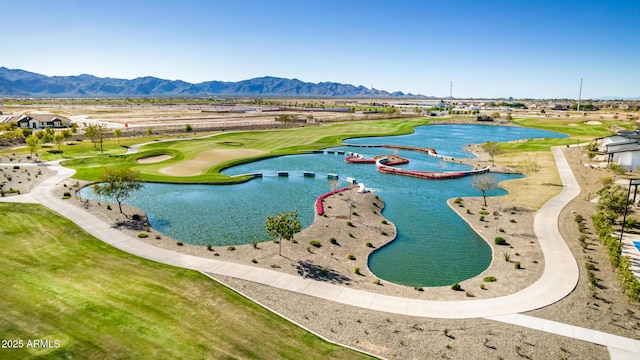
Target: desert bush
(254, 261)
(315, 243)
(501, 230)
(490, 279)
(356, 270)
(136, 217)
(231, 248)
(384, 222)
(384, 233)
(481, 217)
(500, 241)
(143, 235)
(369, 244)
(158, 237)
(349, 223)
(351, 257)
(457, 200)
(351, 235)
(483, 212)
(517, 266)
(354, 213)
(179, 243)
(482, 287)
(456, 287)
(209, 247)
(333, 241)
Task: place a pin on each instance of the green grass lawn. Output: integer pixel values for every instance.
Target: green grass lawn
(271, 142)
(60, 283)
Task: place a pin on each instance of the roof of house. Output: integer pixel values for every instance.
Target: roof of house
(43, 118)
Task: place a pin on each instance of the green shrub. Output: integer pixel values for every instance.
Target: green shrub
(490, 279)
(254, 261)
(500, 241)
(483, 212)
(179, 243)
(468, 211)
(136, 217)
(231, 248)
(315, 243)
(369, 244)
(513, 221)
(351, 257)
(356, 270)
(275, 266)
(351, 235)
(384, 222)
(349, 223)
(418, 288)
(354, 213)
(333, 241)
(374, 212)
(456, 287)
(376, 281)
(501, 230)
(384, 233)
(481, 217)
(482, 287)
(579, 218)
(143, 235)
(108, 207)
(517, 266)
(209, 247)
(457, 200)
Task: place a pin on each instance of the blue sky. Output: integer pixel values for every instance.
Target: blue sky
(520, 49)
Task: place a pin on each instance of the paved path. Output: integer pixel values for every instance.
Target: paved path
(558, 280)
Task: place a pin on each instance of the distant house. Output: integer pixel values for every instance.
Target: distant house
(40, 121)
(623, 149)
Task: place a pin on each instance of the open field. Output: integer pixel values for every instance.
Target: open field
(62, 284)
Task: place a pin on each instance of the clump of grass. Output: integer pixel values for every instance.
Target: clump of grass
(506, 256)
(143, 235)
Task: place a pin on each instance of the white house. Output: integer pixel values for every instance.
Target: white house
(40, 121)
(623, 149)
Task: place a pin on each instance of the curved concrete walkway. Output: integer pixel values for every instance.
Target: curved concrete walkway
(558, 280)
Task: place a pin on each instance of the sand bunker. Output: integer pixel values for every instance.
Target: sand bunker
(204, 160)
(153, 159)
(572, 125)
(593, 122)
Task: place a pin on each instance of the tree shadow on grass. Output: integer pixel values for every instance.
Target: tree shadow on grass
(311, 271)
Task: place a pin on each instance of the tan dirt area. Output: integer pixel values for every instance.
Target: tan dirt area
(153, 159)
(204, 160)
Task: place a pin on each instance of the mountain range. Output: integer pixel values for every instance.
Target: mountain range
(21, 83)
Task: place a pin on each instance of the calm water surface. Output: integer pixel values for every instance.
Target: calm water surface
(434, 246)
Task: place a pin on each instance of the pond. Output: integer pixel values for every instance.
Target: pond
(434, 246)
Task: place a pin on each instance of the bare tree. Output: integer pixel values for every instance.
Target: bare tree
(528, 167)
(484, 183)
(492, 149)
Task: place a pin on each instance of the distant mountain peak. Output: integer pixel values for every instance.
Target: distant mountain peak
(21, 83)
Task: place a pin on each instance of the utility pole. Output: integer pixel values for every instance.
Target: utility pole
(580, 95)
(450, 90)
